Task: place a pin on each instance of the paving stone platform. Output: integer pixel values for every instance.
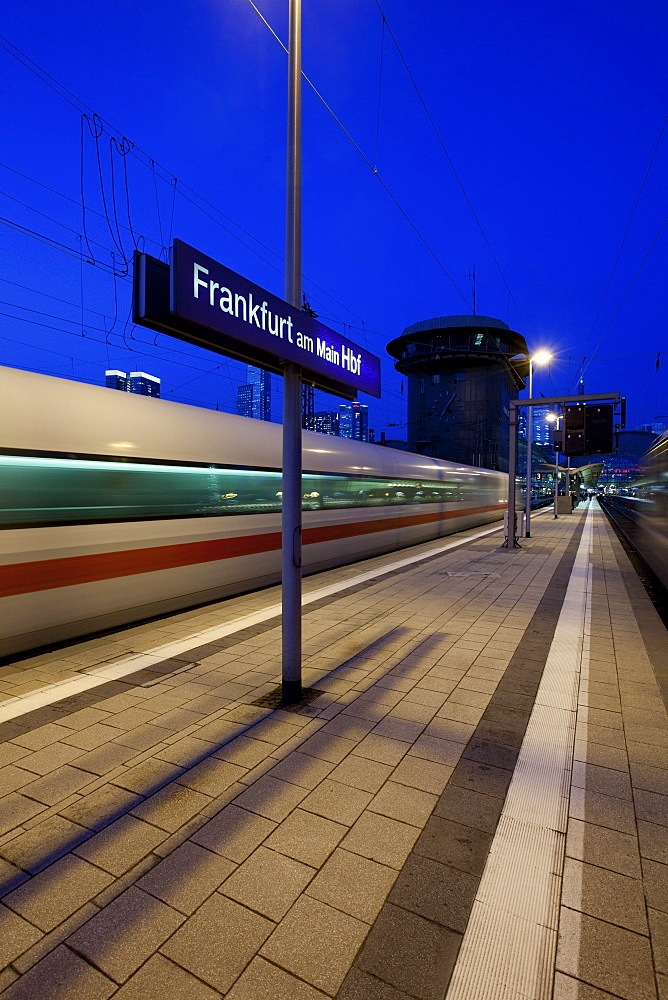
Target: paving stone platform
(473, 804)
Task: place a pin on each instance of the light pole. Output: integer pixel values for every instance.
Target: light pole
(541, 358)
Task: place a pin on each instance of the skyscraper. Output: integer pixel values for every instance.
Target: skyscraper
(354, 421)
(140, 383)
(254, 398)
(116, 380)
(144, 384)
(326, 422)
(543, 429)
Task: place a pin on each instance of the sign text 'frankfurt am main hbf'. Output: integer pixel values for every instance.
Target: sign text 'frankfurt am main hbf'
(199, 300)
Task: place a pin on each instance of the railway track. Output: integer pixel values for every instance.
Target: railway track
(624, 520)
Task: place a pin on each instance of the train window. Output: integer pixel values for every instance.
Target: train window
(44, 491)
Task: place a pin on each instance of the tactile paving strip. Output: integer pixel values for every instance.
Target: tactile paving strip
(509, 947)
(486, 766)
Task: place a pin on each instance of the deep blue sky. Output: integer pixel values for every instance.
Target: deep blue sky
(549, 113)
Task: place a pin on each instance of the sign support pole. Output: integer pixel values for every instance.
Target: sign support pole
(292, 424)
(233, 316)
(510, 540)
(556, 481)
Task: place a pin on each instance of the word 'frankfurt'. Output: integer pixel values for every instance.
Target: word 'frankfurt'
(259, 315)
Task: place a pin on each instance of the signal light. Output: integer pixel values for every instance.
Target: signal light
(588, 429)
(574, 429)
(598, 432)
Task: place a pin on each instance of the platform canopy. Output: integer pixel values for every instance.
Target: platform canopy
(589, 473)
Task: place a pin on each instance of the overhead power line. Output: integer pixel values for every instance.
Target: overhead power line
(193, 197)
(581, 370)
(449, 159)
(368, 162)
(623, 298)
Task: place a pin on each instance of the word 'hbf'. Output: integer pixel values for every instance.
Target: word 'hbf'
(258, 314)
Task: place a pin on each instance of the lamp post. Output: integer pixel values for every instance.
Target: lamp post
(541, 358)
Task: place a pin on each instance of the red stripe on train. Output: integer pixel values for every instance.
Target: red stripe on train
(48, 574)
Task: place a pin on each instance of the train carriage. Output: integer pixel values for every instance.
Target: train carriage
(117, 507)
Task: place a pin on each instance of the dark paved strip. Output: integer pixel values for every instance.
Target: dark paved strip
(412, 947)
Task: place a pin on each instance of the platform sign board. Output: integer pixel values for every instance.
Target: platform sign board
(200, 300)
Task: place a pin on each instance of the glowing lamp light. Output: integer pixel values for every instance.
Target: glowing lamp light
(541, 358)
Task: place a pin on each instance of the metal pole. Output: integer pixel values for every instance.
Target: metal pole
(556, 481)
(568, 477)
(512, 475)
(292, 424)
(527, 507)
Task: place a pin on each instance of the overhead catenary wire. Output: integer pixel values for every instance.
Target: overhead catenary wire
(624, 296)
(196, 199)
(49, 218)
(55, 244)
(174, 188)
(450, 161)
(368, 162)
(581, 370)
(380, 90)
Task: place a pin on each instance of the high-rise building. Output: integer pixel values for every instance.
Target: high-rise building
(543, 429)
(116, 380)
(144, 384)
(245, 400)
(462, 373)
(326, 422)
(354, 421)
(254, 398)
(138, 382)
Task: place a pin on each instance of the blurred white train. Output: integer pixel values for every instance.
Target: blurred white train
(646, 504)
(117, 507)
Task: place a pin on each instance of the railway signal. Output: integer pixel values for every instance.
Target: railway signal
(588, 429)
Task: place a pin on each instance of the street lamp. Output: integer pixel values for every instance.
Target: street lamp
(541, 358)
(555, 418)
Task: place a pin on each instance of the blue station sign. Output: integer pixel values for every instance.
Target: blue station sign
(213, 306)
